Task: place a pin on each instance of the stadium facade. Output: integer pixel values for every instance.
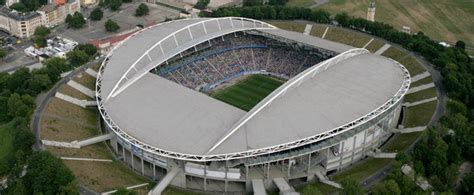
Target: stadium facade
(338, 104)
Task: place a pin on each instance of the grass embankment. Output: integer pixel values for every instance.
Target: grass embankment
(349, 38)
(419, 115)
(375, 45)
(68, 90)
(421, 95)
(64, 121)
(86, 80)
(248, 92)
(440, 19)
(318, 31)
(423, 81)
(291, 26)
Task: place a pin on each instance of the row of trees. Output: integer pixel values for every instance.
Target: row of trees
(45, 173)
(275, 12)
(28, 5)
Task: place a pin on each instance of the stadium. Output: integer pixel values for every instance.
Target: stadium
(238, 105)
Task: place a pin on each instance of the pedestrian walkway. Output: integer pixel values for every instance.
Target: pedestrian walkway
(78, 144)
(420, 76)
(81, 88)
(382, 154)
(91, 72)
(307, 29)
(284, 187)
(78, 102)
(258, 187)
(325, 31)
(324, 179)
(383, 49)
(368, 43)
(410, 130)
(128, 188)
(86, 159)
(419, 88)
(165, 181)
(410, 104)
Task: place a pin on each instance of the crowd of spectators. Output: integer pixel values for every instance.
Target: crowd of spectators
(223, 57)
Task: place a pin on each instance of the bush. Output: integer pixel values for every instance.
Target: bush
(76, 20)
(115, 4)
(111, 26)
(142, 10)
(96, 14)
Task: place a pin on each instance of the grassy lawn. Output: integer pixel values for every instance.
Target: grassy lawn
(317, 30)
(375, 45)
(291, 26)
(394, 53)
(412, 65)
(421, 95)
(422, 82)
(420, 115)
(248, 92)
(401, 142)
(346, 37)
(68, 90)
(6, 143)
(440, 19)
(361, 170)
(86, 80)
(172, 191)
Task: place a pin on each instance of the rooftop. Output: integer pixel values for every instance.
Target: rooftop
(171, 117)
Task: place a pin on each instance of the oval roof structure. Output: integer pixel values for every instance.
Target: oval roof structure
(166, 118)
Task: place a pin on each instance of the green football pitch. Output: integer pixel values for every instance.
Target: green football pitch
(248, 92)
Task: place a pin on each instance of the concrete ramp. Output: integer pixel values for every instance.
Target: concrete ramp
(420, 76)
(324, 179)
(368, 43)
(307, 29)
(94, 140)
(284, 186)
(258, 187)
(383, 49)
(325, 32)
(420, 88)
(410, 104)
(81, 88)
(165, 181)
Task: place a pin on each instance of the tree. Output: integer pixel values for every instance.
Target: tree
(388, 187)
(467, 183)
(76, 20)
(201, 4)
(461, 44)
(40, 41)
(20, 7)
(77, 57)
(42, 31)
(115, 4)
(88, 48)
(351, 187)
(20, 105)
(47, 174)
(3, 53)
(127, 1)
(111, 26)
(96, 14)
(142, 10)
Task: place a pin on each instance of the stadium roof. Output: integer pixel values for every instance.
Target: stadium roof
(163, 115)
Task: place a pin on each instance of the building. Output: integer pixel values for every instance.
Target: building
(338, 104)
(54, 14)
(21, 25)
(88, 2)
(371, 11)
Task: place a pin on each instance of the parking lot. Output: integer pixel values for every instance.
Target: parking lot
(125, 19)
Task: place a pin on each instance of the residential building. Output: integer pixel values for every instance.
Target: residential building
(22, 25)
